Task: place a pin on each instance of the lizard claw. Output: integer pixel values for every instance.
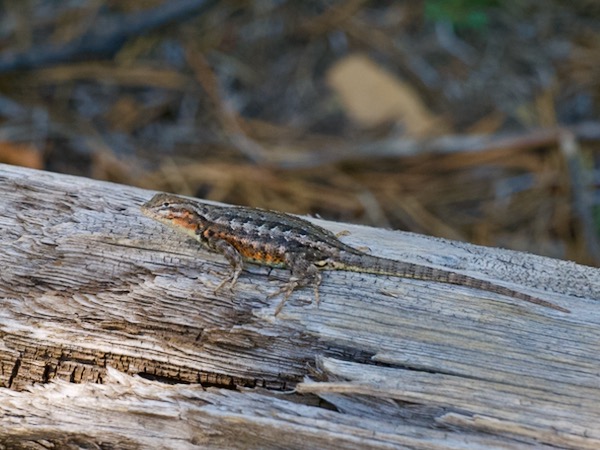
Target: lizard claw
(231, 279)
(221, 284)
(286, 290)
(289, 288)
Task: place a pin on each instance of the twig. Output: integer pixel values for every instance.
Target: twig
(106, 37)
(580, 181)
(398, 147)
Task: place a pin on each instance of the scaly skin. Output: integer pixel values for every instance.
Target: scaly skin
(280, 240)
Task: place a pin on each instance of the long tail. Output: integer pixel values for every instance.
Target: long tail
(371, 264)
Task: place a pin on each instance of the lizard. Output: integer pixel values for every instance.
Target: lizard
(280, 240)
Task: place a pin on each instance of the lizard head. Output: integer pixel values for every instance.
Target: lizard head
(177, 212)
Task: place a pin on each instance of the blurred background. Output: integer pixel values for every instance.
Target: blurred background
(474, 120)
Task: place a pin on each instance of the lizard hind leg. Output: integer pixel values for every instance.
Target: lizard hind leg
(303, 273)
(286, 290)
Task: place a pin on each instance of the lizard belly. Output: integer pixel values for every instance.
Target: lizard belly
(259, 253)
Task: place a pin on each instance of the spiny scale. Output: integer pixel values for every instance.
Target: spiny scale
(281, 240)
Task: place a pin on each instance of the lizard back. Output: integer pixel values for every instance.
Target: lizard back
(260, 236)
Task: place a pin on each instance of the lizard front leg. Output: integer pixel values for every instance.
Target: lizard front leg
(235, 260)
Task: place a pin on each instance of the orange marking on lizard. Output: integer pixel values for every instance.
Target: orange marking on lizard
(185, 221)
(257, 255)
(251, 252)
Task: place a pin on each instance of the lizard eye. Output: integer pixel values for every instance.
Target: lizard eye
(321, 263)
(165, 205)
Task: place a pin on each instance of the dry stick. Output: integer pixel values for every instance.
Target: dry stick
(106, 37)
(580, 182)
(228, 118)
(399, 147)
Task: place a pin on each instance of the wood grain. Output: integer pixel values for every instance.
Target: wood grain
(107, 317)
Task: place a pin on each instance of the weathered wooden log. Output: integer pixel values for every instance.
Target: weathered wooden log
(111, 332)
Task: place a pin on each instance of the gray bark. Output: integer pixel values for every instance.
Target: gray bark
(111, 333)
